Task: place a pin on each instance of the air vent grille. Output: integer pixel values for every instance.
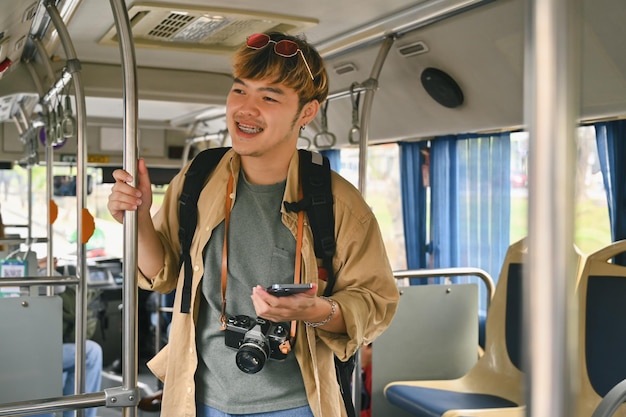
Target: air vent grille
(170, 25)
(345, 68)
(413, 49)
(203, 29)
(29, 13)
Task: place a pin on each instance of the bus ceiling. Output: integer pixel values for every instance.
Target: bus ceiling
(184, 78)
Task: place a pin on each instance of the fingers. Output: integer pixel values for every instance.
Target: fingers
(121, 175)
(292, 307)
(126, 197)
(143, 177)
(123, 197)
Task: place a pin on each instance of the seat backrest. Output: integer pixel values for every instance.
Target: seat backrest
(601, 295)
(498, 371)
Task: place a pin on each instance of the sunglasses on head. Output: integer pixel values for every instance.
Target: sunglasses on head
(285, 48)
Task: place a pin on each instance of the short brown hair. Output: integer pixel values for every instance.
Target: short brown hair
(264, 63)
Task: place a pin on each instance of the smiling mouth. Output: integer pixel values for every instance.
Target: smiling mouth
(249, 129)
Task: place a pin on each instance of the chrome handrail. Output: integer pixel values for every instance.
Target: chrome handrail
(456, 271)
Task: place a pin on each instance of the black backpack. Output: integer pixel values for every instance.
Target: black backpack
(318, 204)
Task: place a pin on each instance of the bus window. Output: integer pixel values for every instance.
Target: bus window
(382, 194)
(592, 229)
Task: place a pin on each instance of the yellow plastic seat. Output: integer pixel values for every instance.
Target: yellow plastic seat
(602, 329)
(494, 385)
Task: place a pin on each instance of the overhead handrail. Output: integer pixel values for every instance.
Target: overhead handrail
(35, 77)
(59, 86)
(425, 13)
(43, 54)
(369, 84)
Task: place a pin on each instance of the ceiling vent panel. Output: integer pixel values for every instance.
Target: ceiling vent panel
(345, 68)
(201, 29)
(413, 49)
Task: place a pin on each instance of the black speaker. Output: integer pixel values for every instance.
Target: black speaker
(442, 88)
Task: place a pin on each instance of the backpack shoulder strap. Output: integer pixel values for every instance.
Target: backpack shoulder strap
(201, 167)
(318, 203)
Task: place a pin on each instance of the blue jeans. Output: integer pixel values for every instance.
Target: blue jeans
(203, 410)
(93, 373)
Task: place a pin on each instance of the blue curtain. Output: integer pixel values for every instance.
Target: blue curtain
(444, 219)
(334, 157)
(611, 141)
(412, 161)
(471, 202)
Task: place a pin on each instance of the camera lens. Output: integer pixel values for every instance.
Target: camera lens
(251, 357)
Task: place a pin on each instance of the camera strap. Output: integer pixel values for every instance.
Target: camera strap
(227, 209)
(224, 272)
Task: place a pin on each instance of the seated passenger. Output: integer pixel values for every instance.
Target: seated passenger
(93, 351)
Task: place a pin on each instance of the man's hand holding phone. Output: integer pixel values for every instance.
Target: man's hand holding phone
(284, 302)
(282, 290)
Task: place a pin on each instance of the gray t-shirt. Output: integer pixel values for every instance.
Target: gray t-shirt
(261, 250)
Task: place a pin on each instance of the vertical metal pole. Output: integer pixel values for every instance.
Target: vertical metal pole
(49, 228)
(363, 143)
(551, 111)
(29, 230)
(366, 113)
(73, 67)
(130, 291)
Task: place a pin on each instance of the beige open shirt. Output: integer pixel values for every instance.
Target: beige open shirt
(365, 289)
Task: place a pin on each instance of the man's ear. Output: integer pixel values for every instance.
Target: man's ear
(309, 112)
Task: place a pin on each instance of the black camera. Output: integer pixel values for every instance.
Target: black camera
(256, 340)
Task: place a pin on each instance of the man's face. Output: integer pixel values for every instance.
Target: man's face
(263, 118)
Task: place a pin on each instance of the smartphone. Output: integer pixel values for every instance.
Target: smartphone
(281, 290)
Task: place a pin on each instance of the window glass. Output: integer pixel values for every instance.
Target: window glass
(592, 225)
(592, 229)
(382, 193)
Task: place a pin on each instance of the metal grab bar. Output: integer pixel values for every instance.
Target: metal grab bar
(39, 280)
(128, 390)
(73, 68)
(457, 271)
(50, 405)
(16, 240)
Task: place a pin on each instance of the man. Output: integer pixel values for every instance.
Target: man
(279, 83)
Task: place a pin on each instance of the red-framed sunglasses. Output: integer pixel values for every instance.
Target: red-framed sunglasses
(284, 48)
